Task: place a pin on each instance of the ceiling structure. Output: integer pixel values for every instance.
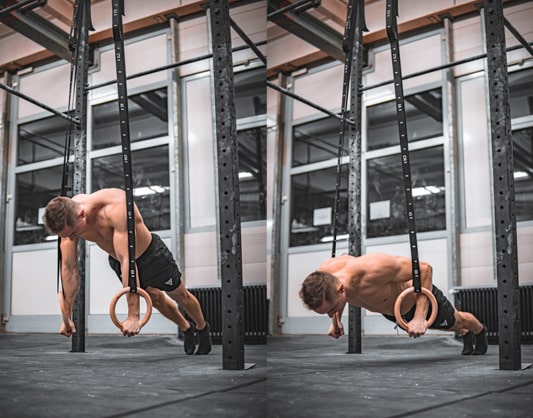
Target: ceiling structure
(318, 22)
(321, 23)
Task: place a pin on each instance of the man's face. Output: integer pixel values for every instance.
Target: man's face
(335, 305)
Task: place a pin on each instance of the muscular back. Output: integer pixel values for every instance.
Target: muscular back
(373, 281)
(106, 221)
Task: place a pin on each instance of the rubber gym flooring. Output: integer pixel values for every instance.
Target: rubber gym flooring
(292, 376)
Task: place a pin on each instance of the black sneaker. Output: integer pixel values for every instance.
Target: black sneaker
(204, 340)
(189, 343)
(468, 343)
(481, 342)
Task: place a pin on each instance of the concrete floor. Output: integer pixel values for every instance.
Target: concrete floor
(393, 377)
(308, 376)
(144, 376)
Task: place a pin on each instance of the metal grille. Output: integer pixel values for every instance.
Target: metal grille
(483, 303)
(255, 312)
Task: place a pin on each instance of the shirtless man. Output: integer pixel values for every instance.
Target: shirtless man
(100, 217)
(373, 282)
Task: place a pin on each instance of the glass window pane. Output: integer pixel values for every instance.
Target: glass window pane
(423, 112)
(386, 202)
(252, 173)
(317, 141)
(521, 93)
(250, 92)
(33, 191)
(41, 140)
(148, 117)
(150, 182)
(312, 206)
(523, 173)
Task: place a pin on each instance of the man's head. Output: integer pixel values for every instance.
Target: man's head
(323, 293)
(61, 212)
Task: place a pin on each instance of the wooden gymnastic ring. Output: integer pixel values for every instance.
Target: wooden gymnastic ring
(401, 297)
(115, 299)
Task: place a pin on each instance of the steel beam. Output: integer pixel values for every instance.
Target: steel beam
(41, 31)
(505, 245)
(228, 194)
(310, 29)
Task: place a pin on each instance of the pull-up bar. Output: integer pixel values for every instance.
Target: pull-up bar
(307, 102)
(170, 66)
(42, 105)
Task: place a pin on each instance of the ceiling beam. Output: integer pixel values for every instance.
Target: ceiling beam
(310, 29)
(41, 31)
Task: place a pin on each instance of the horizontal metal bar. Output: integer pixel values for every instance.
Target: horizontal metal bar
(30, 3)
(439, 67)
(307, 102)
(170, 66)
(42, 105)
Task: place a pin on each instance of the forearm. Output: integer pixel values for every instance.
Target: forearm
(426, 279)
(69, 292)
(132, 298)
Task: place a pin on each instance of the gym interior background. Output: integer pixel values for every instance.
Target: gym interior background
(287, 149)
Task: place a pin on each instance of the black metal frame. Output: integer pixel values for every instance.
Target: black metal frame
(229, 222)
(505, 245)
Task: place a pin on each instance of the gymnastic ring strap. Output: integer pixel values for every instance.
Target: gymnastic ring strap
(117, 296)
(401, 297)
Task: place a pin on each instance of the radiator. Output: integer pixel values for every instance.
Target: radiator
(255, 312)
(483, 303)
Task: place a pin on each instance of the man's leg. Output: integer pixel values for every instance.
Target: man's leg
(169, 310)
(476, 335)
(191, 305)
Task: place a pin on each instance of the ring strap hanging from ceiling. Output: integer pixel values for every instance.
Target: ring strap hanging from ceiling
(392, 33)
(118, 38)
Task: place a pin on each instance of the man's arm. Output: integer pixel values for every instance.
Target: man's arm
(417, 326)
(132, 325)
(69, 284)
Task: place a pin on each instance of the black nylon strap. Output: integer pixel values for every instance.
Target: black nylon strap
(118, 11)
(392, 33)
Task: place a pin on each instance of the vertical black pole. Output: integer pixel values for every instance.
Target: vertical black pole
(506, 252)
(80, 161)
(229, 221)
(354, 180)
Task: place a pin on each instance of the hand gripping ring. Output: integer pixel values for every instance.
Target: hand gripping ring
(123, 291)
(401, 297)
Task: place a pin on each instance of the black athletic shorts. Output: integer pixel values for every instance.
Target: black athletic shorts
(445, 318)
(156, 266)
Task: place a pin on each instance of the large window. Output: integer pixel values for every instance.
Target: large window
(521, 93)
(148, 118)
(386, 214)
(313, 191)
(151, 189)
(316, 141)
(252, 173)
(521, 103)
(34, 189)
(41, 140)
(385, 193)
(423, 112)
(523, 173)
(313, 206)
